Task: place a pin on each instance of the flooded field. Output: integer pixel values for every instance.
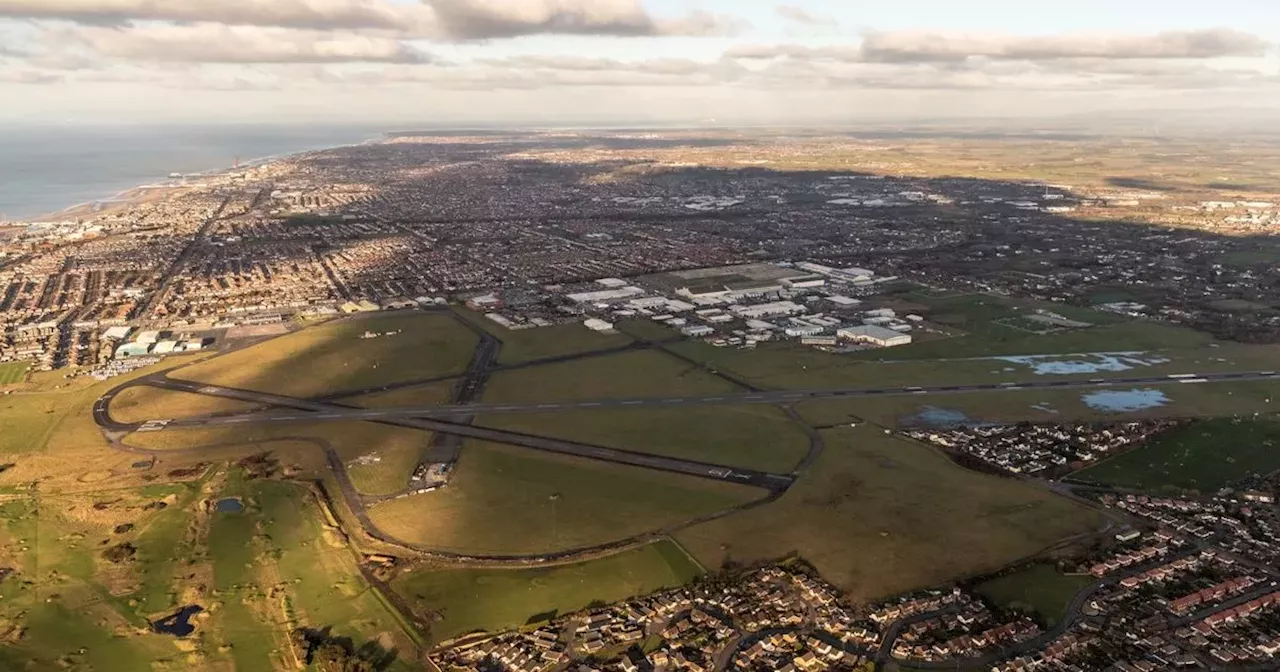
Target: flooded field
(1124, 401)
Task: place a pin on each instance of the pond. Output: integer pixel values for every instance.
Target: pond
(229, 505)
(934, 417)
(178, 624)
(1124, 401)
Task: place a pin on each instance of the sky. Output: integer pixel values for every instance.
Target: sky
(567, 62)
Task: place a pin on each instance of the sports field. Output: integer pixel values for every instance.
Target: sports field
(514, 501)
(467, 600)
(878, 516)
(333, 357)
(1203, 456)
(1040, 589)
(752, 437)
(12, 372)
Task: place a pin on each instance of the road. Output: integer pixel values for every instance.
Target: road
(771, 397)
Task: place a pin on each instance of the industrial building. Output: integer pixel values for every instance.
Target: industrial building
(874, 335)
(775, 309)
(605, 295)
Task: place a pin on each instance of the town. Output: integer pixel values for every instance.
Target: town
(540, 236)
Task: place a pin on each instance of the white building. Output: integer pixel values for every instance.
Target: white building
(598, 325)
(116, 333)
(606, 295)
(774, 309)
(877, 336)
(696, 330)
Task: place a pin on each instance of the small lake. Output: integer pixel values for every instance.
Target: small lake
(229, 505)
(936, 418)
(178, 624)
(1124, 401)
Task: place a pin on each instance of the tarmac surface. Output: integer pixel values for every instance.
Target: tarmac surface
(772, 397)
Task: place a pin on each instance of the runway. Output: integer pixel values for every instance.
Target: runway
(313, 411)
(320, 412)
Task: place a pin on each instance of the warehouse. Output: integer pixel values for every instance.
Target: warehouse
(606, 295)
(877, 336)
(763, 310)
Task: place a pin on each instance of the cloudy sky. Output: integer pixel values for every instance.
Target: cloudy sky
(548, 62)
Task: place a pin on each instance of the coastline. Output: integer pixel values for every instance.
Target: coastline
(143, 193)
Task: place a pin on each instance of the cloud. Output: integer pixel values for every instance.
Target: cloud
(918, 47)
(800, 15)
(490, 19)
(314, 14)
(942, 48)
(457, 20)
(217, 43)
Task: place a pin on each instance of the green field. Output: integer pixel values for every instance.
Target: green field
(1203, 456)
(752, 436)
(468, 600)
(80, 610)
(1206, 400)
(142, 403)
(419, 395)
(878, 516)
(12, 372)
(281, 539)
(1040, 589)
(332, 357)
(787, 365)
(525, 345)
(641, 373)
(398, 449)
(515, 501)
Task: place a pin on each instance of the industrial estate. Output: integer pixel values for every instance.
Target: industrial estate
(710, 401)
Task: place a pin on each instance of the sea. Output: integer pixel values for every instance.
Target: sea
(44, 169)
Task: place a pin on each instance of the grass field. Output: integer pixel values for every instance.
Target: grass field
(1204, 456)
(12, 372)
(468, 600)
(332, 357)
(142, 403)
(750, 436)
(513, 501)
(1040, 589)
(419, 395)
(879, 516)
(631, 374)
(1206, 400)
(787, 365)
(397, 448)
(281, 539)
(524, 345)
